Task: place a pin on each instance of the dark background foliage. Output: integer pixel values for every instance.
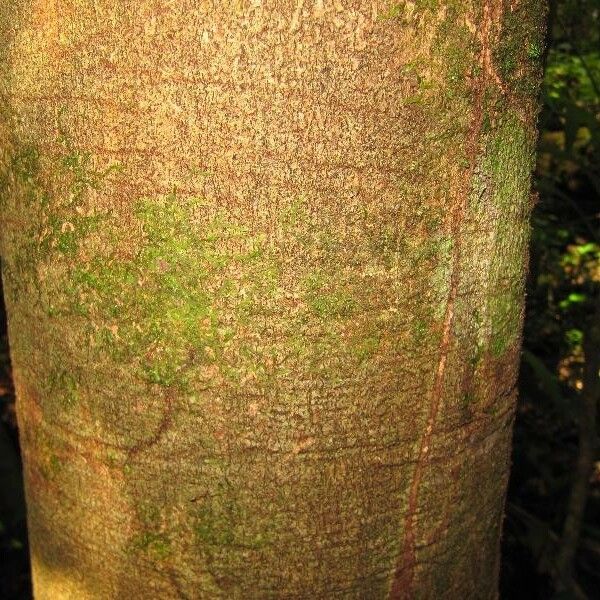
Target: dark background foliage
(563, 292)
(562, 311)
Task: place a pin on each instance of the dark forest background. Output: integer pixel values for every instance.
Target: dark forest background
(551, 541)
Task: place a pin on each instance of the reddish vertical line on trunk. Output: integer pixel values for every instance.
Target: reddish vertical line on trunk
(403, 581)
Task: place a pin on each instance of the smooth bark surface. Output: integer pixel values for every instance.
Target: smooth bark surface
(264, 268)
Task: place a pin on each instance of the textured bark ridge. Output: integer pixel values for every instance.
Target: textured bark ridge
(264, 270)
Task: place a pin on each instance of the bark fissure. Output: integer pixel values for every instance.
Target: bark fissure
(166, 421)
(402, 583)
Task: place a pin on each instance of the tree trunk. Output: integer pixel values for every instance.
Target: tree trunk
(264, 262)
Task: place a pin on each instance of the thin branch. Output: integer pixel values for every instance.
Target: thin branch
(518, 513)
(563, 575)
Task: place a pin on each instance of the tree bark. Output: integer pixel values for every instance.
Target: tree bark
(264, 262)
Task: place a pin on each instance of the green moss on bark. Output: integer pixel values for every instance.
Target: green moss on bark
(518, 53)
(506, 169)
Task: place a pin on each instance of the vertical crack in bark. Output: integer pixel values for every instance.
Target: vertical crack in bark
(163, 426)
(295, 24)
(403, 580)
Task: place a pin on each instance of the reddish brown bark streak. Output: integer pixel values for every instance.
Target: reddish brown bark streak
(402, 584)
(163, 426)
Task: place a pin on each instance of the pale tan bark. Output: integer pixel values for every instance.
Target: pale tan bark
(264, 270)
